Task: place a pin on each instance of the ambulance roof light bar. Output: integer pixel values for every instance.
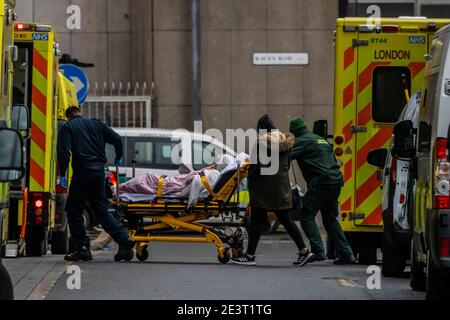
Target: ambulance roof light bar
(391, 28)
(367, 28)
(413, 17)
(23, 27)
(33, 27)
(43, 28)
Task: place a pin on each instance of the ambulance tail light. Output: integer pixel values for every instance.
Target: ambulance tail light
(23, 27)
(441, 148)
(339, 140)
(390, 28)
(445, 247)
(38, 204)
(339, 152)
(442, 176)
(38, 210)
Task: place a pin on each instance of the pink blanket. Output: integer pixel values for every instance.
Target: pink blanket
(148, 184)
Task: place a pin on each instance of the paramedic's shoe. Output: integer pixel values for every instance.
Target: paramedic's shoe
(303, 258)
(125, 252)
(83, 254)
(318, 257)
(244, 261)
(345, 260)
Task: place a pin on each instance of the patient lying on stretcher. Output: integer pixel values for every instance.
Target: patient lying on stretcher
(187, 185)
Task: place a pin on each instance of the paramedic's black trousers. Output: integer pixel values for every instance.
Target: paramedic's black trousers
(259, 221)
(325, 199)
(88, 186)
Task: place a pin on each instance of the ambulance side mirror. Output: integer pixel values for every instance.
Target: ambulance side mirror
(11, 161)
(404, 133)
(377, 158)
(20, 120)
(320, 128)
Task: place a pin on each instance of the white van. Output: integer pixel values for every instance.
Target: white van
(427, 147)
(398, 195)
(151, 150)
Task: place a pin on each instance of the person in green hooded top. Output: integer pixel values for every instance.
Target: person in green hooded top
(324, 180)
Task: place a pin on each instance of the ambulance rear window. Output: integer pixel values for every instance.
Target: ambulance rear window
(388, 93)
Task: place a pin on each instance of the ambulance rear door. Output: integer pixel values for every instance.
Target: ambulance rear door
(388, 61)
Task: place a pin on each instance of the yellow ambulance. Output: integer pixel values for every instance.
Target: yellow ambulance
(39, 85)
(375, 62)
(11, 164)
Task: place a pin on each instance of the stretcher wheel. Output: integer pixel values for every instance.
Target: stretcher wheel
(143, 255)
(226, 257)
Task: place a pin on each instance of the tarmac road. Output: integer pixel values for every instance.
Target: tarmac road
(192, 272)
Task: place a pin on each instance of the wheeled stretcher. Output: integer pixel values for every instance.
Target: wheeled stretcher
(157, 218)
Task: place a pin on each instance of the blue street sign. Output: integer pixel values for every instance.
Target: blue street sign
(79, 78)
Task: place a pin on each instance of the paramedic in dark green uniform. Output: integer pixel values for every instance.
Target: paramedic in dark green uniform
(318, 164)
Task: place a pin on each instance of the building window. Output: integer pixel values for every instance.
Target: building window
(435, 10)
(388, 10)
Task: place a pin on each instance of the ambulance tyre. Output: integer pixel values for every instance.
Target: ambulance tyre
(418, 277)
(226, 257)
(437, 282)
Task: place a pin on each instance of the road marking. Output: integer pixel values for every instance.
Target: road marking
(44, 287)
(346, 283)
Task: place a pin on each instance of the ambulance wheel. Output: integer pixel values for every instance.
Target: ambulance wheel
(437, 282)
(226, 257)
(418, 279)
(143, 256)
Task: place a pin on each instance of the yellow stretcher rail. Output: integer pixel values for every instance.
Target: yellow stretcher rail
(169, 214)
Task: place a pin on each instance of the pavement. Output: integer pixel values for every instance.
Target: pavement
(192, 272)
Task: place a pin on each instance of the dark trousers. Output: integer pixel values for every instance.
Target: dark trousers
(325, 199)
(88, 186)
(259, 221)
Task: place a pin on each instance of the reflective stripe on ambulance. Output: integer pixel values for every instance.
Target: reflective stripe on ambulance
(39, 118)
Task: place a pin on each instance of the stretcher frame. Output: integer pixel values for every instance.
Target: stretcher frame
(167, 214)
